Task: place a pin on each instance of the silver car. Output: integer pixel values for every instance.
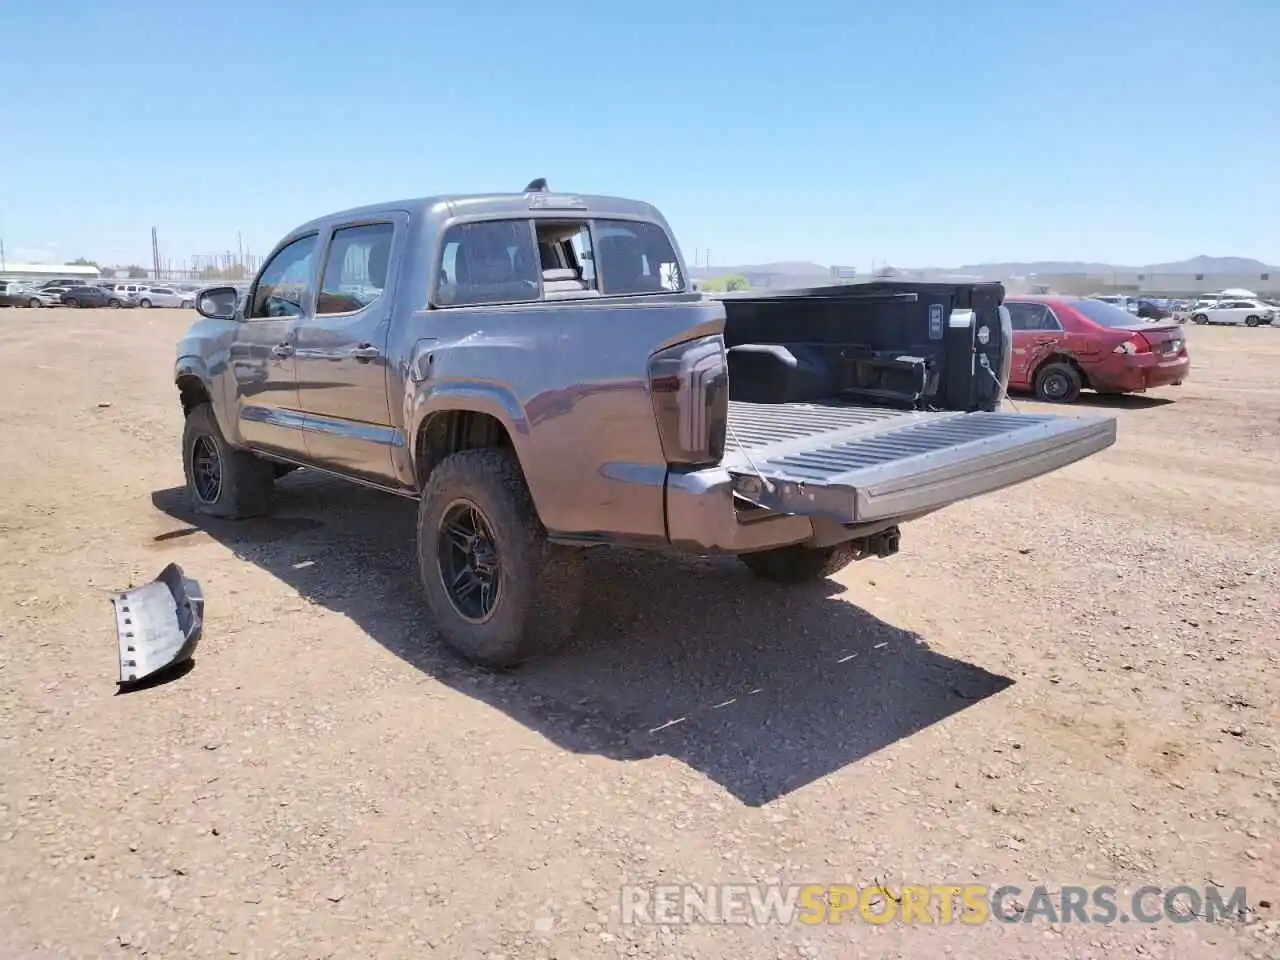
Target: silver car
(164, 297)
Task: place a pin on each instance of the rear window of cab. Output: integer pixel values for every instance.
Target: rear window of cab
(521, 260)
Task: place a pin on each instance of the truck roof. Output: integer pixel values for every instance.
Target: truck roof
(537, 204)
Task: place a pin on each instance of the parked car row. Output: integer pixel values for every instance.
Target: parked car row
(61, 292)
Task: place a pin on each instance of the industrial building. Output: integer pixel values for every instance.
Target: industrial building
(47, 271)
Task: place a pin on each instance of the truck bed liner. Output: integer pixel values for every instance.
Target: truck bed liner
(860, 464)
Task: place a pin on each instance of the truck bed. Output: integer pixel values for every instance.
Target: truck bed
(860, 463)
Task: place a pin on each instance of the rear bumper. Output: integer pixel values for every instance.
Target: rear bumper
(1134, 374)
(704, 517)
(701, 517)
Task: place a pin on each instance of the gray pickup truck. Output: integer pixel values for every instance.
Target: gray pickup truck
(536, 370)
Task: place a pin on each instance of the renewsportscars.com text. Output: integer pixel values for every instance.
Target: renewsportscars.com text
(765, 905)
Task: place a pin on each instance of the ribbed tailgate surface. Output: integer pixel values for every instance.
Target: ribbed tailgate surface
(859, 463)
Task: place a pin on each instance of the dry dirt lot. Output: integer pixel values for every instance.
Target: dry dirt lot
(1075, 681)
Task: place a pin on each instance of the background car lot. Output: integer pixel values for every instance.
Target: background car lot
(1075, 680)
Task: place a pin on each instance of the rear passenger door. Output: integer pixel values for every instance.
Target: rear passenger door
(342, 362)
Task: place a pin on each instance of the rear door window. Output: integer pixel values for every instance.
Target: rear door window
(635, 257)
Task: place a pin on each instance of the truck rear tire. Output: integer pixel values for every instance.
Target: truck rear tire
(799, 564)
(500, 593)
(222, 481)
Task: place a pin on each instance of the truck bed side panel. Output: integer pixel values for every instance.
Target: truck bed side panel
(574, 379)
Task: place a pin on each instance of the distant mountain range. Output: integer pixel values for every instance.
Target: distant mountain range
(799, 271)
(1200, 264)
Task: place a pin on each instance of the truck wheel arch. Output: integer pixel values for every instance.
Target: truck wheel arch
(447, 432)
(193, 391)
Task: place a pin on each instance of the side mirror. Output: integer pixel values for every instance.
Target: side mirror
(218, 303)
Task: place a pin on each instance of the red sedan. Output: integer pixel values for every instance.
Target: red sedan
(1062, 345)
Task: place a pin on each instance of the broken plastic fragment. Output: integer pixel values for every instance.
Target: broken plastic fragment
(158, 625)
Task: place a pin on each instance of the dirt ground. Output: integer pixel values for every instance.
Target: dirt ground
(1073, 682)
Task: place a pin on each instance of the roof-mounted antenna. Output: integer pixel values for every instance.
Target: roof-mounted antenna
(537, 186)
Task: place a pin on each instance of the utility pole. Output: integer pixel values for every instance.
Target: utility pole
(155, 253)
(240, 244)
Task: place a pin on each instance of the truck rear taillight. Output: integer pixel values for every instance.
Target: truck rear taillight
(689, 384)
(1134, 345)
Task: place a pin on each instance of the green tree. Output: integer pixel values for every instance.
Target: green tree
(82, 262)
(135, 272)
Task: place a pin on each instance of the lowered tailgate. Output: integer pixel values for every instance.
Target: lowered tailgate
(859, 464)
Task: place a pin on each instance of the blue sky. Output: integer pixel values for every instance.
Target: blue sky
(921, 132)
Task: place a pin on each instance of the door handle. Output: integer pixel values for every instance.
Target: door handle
(282, 350)
(366, 351)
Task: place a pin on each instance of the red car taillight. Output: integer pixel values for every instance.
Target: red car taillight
(689, 384)
(1135, 344)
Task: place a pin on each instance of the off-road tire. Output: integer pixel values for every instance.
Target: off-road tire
(541, 584)
(1251, 321)
(247, 482)
(1050, 376)
(799, 564)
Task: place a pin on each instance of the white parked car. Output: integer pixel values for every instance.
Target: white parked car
(164, 297)
(1251, 313)
(123, 293)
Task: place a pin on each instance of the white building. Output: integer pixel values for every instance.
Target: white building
(47, 271)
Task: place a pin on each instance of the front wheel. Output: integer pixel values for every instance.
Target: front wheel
(114, 304)
(498, 590)
(221, 480)
(33, 303)
(146, 304)
(1200, 318)
(188, 304)
(71, 302)
(799, 564)
(1251, 321)
(1058, 383)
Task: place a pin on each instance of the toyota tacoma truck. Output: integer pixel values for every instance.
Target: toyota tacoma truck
(537, 372)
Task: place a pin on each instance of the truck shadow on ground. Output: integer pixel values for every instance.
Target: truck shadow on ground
(762, 689)
(1103, 401)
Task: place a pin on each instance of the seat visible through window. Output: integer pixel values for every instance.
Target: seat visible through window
(488, 262)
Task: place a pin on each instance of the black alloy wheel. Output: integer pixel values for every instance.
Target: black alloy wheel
(206, 469)
(469, 563)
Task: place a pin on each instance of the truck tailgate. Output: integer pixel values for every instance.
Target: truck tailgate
(859, 464)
